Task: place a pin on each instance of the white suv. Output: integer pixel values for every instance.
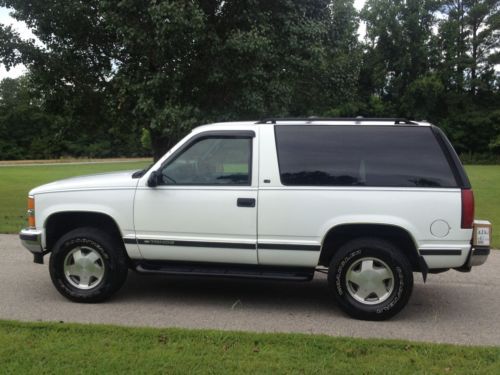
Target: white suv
(369, 201)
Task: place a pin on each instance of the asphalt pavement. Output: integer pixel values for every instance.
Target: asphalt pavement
(452, 307)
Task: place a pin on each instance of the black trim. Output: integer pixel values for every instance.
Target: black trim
(452, 158)
(224, 134)
(481, 251)
(28, 237)
(440, 252)
(222, 245)
(265, 246)
(245, 202)
(179, 268)
(355, 119)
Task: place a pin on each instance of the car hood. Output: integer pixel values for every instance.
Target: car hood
(111, 180)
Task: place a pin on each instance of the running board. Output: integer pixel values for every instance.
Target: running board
(225, 270)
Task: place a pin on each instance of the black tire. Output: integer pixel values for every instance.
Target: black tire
(383, 256)
(112, 261)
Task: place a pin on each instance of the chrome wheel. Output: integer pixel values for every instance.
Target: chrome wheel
(84, 267)
(370, 281)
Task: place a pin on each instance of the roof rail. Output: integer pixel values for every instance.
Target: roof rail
(396, 120)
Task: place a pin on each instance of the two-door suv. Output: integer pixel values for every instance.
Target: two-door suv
(369, 201)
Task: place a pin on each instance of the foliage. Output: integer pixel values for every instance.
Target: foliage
(398, 33)
(29, 129)
(165, 66)
(117, 78)
(447, 77)
(480, 159)
(473, 130)
(469, 37)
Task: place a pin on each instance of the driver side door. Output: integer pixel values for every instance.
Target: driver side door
(204, 207)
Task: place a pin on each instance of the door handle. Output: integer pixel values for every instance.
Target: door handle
(245, 202)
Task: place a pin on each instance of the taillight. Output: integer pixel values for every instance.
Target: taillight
(467, 208)
(31, 212)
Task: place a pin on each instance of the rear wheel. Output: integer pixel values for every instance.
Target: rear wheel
(87, 265)
(370, 279)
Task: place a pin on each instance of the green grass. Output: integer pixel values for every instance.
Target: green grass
(16, 181)
(72, 348)
(485, 180)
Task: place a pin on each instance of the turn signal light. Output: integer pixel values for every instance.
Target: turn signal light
(31, 212)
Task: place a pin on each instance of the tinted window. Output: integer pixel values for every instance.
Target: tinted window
(211, 161)
(361, 155)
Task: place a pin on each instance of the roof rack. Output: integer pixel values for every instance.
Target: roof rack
(396, 120)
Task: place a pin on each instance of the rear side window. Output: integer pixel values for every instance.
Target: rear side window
(313, 155)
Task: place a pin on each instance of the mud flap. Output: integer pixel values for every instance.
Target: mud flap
(423, 267)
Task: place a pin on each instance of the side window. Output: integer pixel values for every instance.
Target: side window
(211, 161)
(399, 156)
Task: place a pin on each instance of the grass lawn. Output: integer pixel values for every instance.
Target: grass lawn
(71, 348)
(485, 180)
(16, 181)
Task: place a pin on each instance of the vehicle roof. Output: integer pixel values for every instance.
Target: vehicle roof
(317, 121)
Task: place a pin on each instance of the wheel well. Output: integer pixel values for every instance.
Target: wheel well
(61, 223)
(339, 235)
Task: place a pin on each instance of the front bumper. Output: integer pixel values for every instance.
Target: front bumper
(31, 239)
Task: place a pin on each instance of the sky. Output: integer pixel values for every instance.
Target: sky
(25, 33)
(21, 28)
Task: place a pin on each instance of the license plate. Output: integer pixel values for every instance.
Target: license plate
(482, 233)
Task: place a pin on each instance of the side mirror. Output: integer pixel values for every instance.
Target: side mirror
(154, 179)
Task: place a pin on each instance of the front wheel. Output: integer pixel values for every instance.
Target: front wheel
(87, 265)
(370, 279)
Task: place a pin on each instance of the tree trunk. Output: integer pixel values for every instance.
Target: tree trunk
(160, 145)
(473, 69)
(461, 46)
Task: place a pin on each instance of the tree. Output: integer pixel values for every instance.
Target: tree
(469, 40)
(121, 64)
(398, 45)
(166, 65)
(24, 125)
(110, 73)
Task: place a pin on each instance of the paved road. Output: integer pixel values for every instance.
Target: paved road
(451, 307)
